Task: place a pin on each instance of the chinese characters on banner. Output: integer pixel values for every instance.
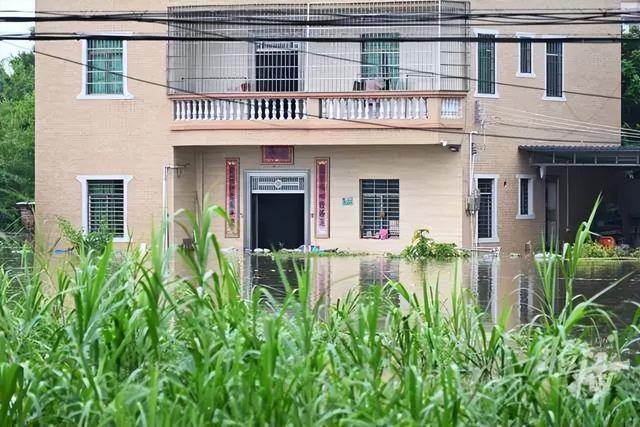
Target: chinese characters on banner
(232, 200)
(322, 198)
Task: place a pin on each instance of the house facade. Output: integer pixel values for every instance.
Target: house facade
(342, 125)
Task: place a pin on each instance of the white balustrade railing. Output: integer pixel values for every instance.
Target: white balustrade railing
(239, 109)
(451, 108)
(399, 108)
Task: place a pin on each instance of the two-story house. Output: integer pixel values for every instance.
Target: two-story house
(338, 124)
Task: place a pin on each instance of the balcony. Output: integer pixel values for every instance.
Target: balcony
(319, 111)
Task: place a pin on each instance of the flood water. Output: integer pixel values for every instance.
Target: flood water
(499, 283)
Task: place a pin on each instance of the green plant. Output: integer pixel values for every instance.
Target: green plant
(134, 344)
(92, 241)
(423, 246)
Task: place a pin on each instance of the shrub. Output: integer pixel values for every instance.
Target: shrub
(423, 247)
(93, 241)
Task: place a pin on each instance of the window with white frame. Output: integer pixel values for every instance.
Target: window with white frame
(486, 220)
(486, 64)
(104, 201)
(525, 197)
(105, 68)
(525, 56)
(379, 208)
(554, 87)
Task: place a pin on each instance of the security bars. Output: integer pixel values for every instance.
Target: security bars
(106, 206)
(256, 64)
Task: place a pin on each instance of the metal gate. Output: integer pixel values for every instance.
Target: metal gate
(277, 184)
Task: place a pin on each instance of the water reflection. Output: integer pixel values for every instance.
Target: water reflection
(499, 283)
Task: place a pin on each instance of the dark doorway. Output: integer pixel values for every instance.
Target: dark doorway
(278, 221)
(276, 71)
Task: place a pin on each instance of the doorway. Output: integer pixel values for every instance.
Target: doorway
(277, 209)
(278, 221)
(552, 200)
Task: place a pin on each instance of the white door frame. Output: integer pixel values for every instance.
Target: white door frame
(248, 174)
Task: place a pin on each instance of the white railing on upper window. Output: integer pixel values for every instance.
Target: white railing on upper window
(398, 108)
(240, 109)
(451, 108)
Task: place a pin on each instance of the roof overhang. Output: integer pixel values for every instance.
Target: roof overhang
(567, 155)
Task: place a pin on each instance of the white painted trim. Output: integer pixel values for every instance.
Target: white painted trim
(532, 74)
(562, 98)
(531, 214)
(494, 208)
(477, 31)
(85, 201)
(125, 89)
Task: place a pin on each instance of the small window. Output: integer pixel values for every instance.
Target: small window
(379, 208)
(525, 56)
(105, 67)
(525, 197)
(486, 218)
(555, 70)
(380, 69)
(486, 64)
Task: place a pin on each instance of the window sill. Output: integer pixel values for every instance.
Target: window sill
(554, 98)
(525, 217)
(490, 240)
(377, 238)
(121, 240)
(105, 97)
(526, 75)
(486, 95)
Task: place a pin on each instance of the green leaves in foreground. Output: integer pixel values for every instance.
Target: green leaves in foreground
(116, 339)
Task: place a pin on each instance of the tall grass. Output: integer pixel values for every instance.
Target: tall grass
(118, 340)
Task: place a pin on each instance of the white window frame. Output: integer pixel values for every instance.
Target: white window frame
(85, 201)
(531, 214)
(85, 69)
(476, 32)
(532, 74)
(494, 209)
(562, 98)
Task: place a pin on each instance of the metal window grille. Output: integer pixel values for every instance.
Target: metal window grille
(277, 184)
(105, 67)
(487, 64)
(105, 205)
(524, 196)
(525, 57)
(485, 213)
(379, 207)
(555, 72)
(262, 65)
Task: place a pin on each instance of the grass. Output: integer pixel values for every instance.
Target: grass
(126, 343)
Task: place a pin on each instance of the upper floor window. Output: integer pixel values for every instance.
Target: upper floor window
(525, 56)
(379, 208)
(554, 87)
(380, 69)
(486, 64)
(105, 68)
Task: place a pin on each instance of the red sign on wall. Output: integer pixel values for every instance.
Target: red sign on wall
(277, 154)
(322, 198)
(232, 174)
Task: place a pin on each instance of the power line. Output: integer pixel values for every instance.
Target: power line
(373, 124)
(60, 36)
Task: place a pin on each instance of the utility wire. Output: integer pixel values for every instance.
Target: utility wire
(564, 122)
(373, 124)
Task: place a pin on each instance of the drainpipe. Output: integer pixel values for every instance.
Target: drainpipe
(165, 201)
(474, 242)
